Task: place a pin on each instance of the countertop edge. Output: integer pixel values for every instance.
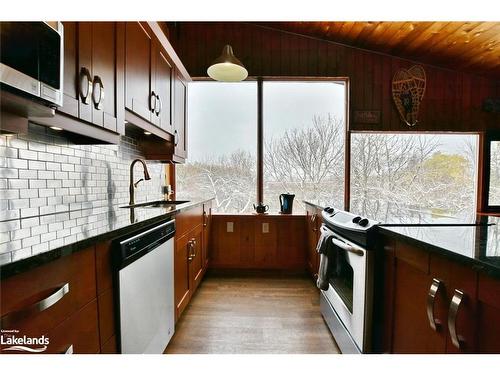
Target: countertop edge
(477, 264)
(321, 207)
(22, 265)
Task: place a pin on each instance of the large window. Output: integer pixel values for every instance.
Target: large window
(303, 147)
(404, 175)
(303, 143)
(221, 145)
(494, 178)
(304, 137)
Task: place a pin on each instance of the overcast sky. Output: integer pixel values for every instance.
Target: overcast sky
(223, 116)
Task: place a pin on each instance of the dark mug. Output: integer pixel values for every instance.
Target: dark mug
(260, 208)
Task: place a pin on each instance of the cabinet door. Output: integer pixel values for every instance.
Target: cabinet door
(411, 329)
(488, 318)
(163, 88)
(312, 240)
(71, 69)
(138, 52)
(207, 227)
(462, 310)
(180, 117)
(104, 63)
(181, 274)
(195, 259)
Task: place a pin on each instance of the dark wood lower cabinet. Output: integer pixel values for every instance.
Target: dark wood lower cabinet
(181, 274)
(411, 330)
(79, 334)
(313, 220)
(433, 304)
(488, 315)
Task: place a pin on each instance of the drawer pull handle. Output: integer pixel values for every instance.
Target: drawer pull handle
(431, 298)
(69, 350)
(205, 218)
(36, 307)
(456, 301)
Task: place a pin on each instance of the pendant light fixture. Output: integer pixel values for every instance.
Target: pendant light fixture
(227, 68)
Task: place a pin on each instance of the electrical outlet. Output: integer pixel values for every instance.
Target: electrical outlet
(265, 227)
(229, 227)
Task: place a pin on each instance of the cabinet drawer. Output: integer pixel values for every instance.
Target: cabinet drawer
(187, 220)
(79, 333)
(36, 301)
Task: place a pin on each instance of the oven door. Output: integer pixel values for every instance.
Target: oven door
(350, 288)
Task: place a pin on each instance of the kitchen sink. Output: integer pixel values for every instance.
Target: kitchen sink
(155, 204)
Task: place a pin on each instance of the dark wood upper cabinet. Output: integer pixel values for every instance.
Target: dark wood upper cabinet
(163, 88)
(180, 118)
(93, 73)
(138, 67)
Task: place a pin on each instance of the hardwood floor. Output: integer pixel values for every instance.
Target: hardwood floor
(253, 314)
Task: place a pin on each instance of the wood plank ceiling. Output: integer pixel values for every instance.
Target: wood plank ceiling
(465, 46)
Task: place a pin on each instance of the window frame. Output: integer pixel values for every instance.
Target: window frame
(485, 162)
(482, 183)
(260, 129)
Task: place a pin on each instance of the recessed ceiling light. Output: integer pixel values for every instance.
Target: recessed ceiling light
(56, 128)
(147, 133)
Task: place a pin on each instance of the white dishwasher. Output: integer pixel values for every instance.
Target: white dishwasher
(145, 280)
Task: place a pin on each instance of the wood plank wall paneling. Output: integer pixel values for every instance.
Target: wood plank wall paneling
(452, 101)
(247, 247)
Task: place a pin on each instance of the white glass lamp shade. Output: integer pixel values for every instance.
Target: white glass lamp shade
(227, 68)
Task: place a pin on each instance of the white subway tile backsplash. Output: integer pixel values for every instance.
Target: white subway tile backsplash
(26, 154)
(43, 174)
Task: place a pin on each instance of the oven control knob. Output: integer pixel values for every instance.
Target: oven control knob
(356, 219)
(329, 210)
(363, 222)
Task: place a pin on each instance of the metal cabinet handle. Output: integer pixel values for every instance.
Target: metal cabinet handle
(313, 218)
(160, 105)
(152, 102)
(69, 350)
(456, 301)
(85, 88)
(176, 140)
(191, 251)
(37, 307)
(346, 247)
(431, 298)
(98, 101)
(205, 217)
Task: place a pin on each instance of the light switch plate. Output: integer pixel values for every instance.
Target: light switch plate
(230, 227)
(265, 227)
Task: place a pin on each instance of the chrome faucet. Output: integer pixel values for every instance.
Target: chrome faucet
(134, 185)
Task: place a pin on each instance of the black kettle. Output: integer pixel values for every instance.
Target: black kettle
(261, 208)
(286, 203)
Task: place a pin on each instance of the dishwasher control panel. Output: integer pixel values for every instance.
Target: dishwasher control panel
(133, 247)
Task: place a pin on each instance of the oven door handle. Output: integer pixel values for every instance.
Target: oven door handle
(346, 247)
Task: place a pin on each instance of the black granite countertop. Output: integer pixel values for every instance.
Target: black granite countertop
(472, 239)
(475, 245)
(63, 233)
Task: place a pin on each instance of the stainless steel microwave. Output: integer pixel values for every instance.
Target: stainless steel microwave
(31, 60)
